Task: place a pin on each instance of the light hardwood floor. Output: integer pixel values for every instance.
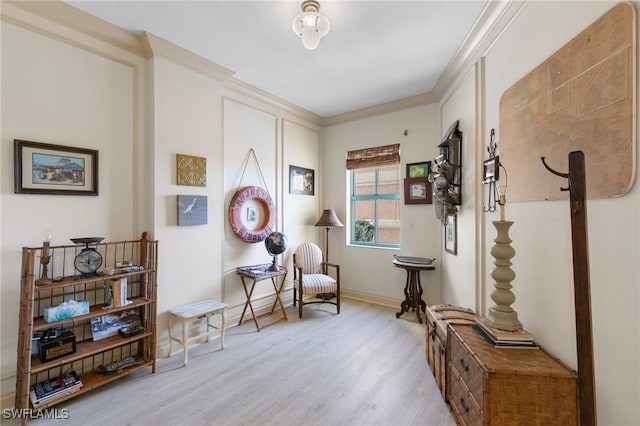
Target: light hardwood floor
(362, 367)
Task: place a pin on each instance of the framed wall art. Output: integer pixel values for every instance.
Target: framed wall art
(192, 210)
(191, 171)
(418, 170)
(451, 234)
(43, 168)
(417, 191)
(301, 180)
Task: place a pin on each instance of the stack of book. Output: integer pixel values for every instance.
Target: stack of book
(55, 388)
(502, 338)
(118, 293)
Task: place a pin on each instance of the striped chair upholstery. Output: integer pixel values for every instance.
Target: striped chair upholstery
(311, 278)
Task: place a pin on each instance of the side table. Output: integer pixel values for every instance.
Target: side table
(192, 312)
(413, 288)
(250, 276)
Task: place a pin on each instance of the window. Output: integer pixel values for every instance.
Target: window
(375, 196)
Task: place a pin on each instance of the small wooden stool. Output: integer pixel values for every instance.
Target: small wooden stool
(192, 312)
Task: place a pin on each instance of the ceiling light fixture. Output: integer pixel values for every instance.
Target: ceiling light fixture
(310, 26)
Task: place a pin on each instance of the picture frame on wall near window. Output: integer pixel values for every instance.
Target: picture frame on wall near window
(44, 168)
(418, 170)
(301, 180)
(417, 191)
(451, 234)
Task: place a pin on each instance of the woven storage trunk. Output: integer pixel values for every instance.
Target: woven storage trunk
(438, 319)
(506, 386)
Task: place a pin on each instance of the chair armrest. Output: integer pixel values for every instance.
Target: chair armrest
(333, 265)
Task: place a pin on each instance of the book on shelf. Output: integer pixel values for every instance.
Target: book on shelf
(503, 338)
(54, 388)
(117, 289)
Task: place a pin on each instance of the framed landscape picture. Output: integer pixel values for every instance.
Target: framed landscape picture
(43, 168)
(418, 170)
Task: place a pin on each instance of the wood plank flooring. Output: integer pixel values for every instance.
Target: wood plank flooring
(362, 367)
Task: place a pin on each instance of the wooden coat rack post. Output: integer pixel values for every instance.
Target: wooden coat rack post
(582, 296)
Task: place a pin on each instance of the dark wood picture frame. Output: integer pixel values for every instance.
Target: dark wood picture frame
(418, 170)
(491, 170)
(417, 191)
(44, 168)
(301, 180)
(451, 234)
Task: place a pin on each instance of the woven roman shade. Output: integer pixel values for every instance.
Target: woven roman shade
(373, 157)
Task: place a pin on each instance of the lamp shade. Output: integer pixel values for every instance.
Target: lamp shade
(329, 219)
(310, 26)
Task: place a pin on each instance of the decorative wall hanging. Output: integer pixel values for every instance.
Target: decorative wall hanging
(192, 210)
(491, 173)
(451, 234)
(417, 191)
(190, 170)
(301, 180)
(418, 170)
(252, 212)
(43, 168)
(581, 98)
(447, 180)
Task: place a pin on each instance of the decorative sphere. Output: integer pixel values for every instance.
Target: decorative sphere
(276, 243)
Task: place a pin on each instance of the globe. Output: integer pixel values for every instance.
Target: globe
(275, 243)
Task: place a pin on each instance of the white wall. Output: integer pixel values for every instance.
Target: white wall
(140, 107)
(368, 272)
(459, 271)
(542, 238)
(69, 95)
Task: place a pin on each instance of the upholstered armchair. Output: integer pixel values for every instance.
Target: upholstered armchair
(311, 279)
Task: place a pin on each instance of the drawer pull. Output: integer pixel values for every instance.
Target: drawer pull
(464, 405)
(464, 366)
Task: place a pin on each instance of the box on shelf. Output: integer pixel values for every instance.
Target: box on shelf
(66, 310)
(53, 348)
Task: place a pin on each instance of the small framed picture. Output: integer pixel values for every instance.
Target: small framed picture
(192, 210)
(491, 170)
(252, 214)
(301, 180)
(451, 234)
(43, 168)
(418, 170)
(417, 191)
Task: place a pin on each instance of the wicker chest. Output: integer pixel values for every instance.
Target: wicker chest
(498, 386)
(438, 318)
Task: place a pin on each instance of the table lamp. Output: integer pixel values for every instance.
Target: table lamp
(328, 220)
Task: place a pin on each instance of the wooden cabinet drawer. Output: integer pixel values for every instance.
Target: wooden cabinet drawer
(507, 386)
(463, 405)
(438, 318)
(467, 367)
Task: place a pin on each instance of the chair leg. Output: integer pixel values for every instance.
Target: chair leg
(294, 297)
(300, 304)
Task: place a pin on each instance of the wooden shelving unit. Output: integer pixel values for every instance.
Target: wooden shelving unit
(69, 285)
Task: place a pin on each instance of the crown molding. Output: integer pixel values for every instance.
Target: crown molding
(493, 20)
(385, 108)
(158, 46)
(78, 20)
(246, 90)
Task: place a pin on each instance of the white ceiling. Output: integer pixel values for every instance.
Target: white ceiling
(376, 51)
